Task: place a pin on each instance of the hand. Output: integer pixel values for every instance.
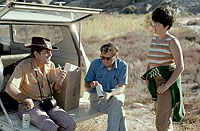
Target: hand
(161, 89)
(61, 76)
(29, 105)
(106, 96)
(93, 84)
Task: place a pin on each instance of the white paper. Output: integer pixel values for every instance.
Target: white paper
(70, 67)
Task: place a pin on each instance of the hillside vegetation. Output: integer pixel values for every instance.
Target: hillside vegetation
(132, 34)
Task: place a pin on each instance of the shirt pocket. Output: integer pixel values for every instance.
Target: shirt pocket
(99, 78)
(31, 81)
(114, 83)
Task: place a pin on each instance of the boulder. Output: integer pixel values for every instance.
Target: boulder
(139, 0)
(165, 2)
(79, 3)
(128, 9)
(120, 3)
(100, 4)
(142, 7)
(153, 2)
(126, 6)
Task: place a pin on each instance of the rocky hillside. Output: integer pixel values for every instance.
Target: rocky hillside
(125, 6)
(135, 6)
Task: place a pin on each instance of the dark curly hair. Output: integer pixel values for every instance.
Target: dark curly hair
(109, 47)
(164, 15)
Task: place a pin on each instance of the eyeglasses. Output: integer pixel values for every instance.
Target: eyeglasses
(107, 58)
(155, 24)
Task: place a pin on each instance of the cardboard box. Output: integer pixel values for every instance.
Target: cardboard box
(68, 98)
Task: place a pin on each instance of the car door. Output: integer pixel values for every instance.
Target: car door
(16, 13)
(59, 23)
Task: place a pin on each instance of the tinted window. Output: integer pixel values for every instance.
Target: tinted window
(4, 40)
(24, 33)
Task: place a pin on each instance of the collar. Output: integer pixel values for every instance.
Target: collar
(36, 68)
(103, 66)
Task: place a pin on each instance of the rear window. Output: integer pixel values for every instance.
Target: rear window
(24, 33)
(4, 40)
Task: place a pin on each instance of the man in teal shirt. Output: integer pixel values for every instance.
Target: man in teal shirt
(112, 74)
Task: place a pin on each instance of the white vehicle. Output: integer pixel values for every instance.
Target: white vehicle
(19, 22)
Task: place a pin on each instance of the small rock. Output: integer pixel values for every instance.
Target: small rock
(138, 105)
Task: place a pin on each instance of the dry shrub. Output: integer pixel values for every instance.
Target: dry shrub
(191, 50)
(183, 32)
(148, 21)
(193, 22)
(128, 9)
(134, 44)
(105, 26)
(133, 49)
(192, 117)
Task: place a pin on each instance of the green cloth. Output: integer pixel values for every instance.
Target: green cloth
(176, 90)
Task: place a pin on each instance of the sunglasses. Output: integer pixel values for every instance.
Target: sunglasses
(107, 58)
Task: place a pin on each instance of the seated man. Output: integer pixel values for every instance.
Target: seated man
(32, 83)
(112, 74)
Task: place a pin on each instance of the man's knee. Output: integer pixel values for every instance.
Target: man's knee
(46, 125)
(71, 126)
(117, 101)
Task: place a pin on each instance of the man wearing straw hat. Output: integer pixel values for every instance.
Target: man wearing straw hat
(32, 84)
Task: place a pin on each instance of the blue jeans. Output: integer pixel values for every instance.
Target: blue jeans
(114, 108)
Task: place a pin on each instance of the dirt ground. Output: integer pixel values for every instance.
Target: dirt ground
(140, 114)
(140, 117)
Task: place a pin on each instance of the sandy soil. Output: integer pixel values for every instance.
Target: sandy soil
(141, 117)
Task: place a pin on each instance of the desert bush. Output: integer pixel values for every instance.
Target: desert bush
(148, 21)
(190, 50)
(133, 42)
(133, 35)
(185, 14)
(128, 10)
(105, 26)
(193, 22)
(183, 32)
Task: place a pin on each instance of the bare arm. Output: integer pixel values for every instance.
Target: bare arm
(19, 96)
(119, 90)
(116, 91)
(177, 54)
(178, 58)
(13, 89)
(15, 93)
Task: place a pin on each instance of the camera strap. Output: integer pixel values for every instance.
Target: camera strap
(40, 88)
